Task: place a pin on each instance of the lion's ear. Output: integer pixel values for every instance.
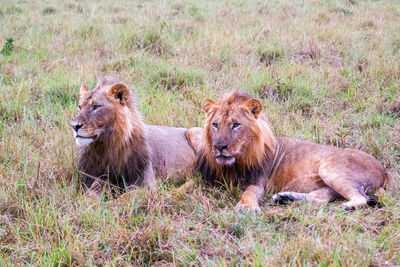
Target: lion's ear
(255, 106)
(118, 93)
(208, 104)
(83, 90)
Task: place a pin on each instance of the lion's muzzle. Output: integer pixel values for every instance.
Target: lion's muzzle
(81, 139)
(220, 145)
(222, 158)
(76, 125)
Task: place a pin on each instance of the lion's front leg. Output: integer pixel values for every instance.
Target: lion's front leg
(150, 178)
(94, 193)
(250, 198)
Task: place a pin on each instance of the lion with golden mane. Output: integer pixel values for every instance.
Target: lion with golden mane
(116, 147)
(239, 147)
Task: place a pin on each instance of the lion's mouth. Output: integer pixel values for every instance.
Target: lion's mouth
(225, 160)
(88, 137)
(83, 141)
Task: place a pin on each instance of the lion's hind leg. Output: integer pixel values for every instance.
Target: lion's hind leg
(353, 175)
(321, 196)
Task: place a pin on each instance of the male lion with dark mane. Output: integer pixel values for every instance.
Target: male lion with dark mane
(239, 147)
(115, 145)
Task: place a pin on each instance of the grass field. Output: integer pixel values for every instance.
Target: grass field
(326, 71)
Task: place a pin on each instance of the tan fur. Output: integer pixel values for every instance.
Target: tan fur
(116, 147)
(304, 170)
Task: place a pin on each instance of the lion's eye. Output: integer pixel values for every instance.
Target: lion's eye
(215, 125)
(95, 107)
(235, 125)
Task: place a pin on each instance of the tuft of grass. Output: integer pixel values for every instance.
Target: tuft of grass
(268, 56)
(49, 11)
(8, 47)
(13, 10)
(176, 78)
(153, 40)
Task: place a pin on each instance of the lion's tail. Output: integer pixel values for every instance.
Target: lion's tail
(390, 183)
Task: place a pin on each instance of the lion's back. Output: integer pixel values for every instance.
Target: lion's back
(170, 153)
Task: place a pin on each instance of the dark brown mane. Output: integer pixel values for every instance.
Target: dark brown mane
(117, 167)
(233, 174)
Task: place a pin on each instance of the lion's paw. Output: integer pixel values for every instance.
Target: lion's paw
(93, 196)
(354, 204)
(244, 207)
(282, 199)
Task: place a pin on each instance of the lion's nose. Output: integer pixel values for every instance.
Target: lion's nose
(220, 145)
(76, 125)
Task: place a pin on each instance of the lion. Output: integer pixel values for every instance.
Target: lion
(238, 146)
(116, 147)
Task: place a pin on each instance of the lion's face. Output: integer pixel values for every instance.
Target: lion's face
(99, 111)
(231, 127)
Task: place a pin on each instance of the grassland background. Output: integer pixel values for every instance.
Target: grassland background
(326, 71)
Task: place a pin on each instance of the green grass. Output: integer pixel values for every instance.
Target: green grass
(326, 71)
